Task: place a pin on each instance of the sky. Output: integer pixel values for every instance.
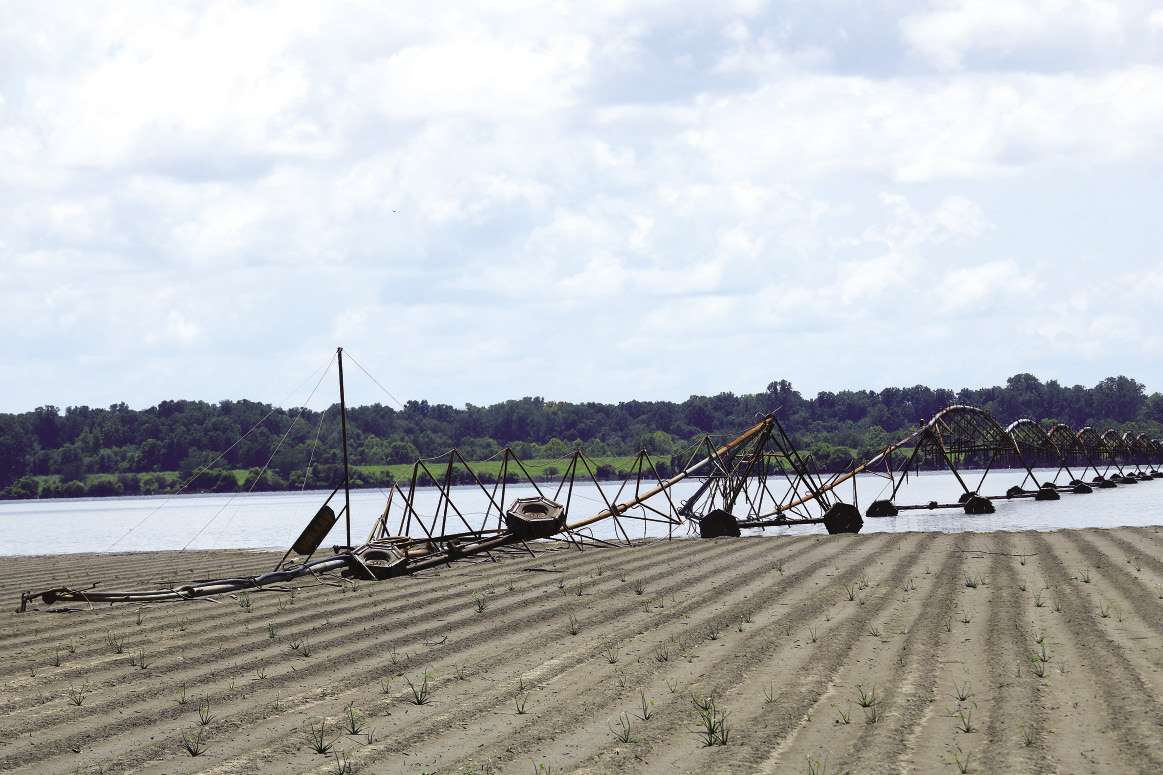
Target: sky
(597, 201)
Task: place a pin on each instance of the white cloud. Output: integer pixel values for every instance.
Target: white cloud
(475, 74)
(667, 182)
(1000, 29)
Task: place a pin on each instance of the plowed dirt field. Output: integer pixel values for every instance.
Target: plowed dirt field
(919, 652)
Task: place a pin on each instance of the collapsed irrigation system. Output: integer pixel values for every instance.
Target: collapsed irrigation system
(756, 480)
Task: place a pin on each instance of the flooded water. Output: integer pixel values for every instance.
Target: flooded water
(274, 520)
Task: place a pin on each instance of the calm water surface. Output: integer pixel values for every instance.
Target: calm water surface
(273, 520)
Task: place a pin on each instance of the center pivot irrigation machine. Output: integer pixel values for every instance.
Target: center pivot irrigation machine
(755, 480)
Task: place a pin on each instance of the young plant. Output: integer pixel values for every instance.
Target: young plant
(647, 706)
(867, 698)
(182, 698)
(420, 694)
(351, 719)
(204, 714)
(77, 696)
(966, 723)
(622, 733)
(270, 630)
(845, 717)
(573, 625)
(54, 658)
(769, 694)
(1085, 576)
(611, 653)
(639, 588)
(194, 744)
(662, 652)
(712, 631)
(317, 739)
(812, 635)
(520, 701)
(962, 693)
(962, 766)
(817, 767)
(712, 724)
(481, 602)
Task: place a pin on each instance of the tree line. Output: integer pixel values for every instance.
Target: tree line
(85, 451)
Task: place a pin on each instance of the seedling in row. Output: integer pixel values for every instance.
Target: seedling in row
(622, 733)
(646, 705)
(420, 694)
(317, 739)
(194, 744)
(351, 719)
(77, 696)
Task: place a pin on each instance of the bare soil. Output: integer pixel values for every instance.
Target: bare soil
(938, 633)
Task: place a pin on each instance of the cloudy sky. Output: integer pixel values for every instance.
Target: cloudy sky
(583, 201)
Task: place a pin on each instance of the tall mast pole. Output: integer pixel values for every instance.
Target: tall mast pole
(343, 424)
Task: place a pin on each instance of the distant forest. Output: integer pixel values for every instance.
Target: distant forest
(83, 451)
